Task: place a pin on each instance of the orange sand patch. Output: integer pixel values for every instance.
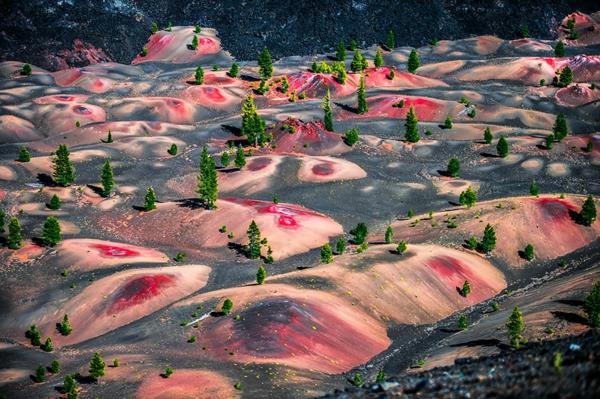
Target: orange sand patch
(27, 253)
(576, 95)
(120, 299)
(533, 165)
(6, 173)
(558, 169)
(301, 328)
(91, 254)
(441, 69)
(187, 384)
(449, 186)
(544, 222)
(290, 229)
(172, 46)
(326, 169)
(418, 287)
(11, 375)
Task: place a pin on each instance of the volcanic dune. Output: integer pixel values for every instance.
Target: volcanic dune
(290, 229)
(187, 384)
(281, 324)
(548, 223)
(326, 169)
(119, 299)
(311, 138)
(90, 254)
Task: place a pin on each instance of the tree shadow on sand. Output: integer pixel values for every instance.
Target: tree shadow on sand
(46, 180)
(570, 317)
(348, 108)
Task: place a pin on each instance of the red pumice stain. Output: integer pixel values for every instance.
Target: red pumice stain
(214, 94)
(258, 164)
(111, 250)
(556, 210)
(454, 273)
(81, 110)
(323, 169)
(139, 290)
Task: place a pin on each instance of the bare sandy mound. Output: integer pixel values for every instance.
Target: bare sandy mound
(576, 95)
(161, 109)
(315, 85)
(295, 136)
(480, 45)
(417, 287)
(187, 384)
(305, 329)
(43, 164)
(529, 46)
(290, 229)
(98, 132)
(451, 186)
(147, 147)
(175, 47)
(90, 254)
(326, 169)
(586, 26)
(120, 299)
(546, 222)
(16, 130)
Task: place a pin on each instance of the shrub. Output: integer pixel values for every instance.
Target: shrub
(534, 189)
(468, 197)
(502, 147)
(588, 211)
(466, 289)
(448, 123)
(199, 76)
(168, 372)
(149, 200)
(389, 234)
(197, 29)
(463, 322)
(549, 141)
(351, 137)
(26, 70)
(14, 234)
(261, 275)
(391, 75)
(34, 335)
(326, 254)
(472, 243)
(566, 77)
(560, 128)
(358, 381)
(24, 155)
(528, 253)
(378, 61)
(40, 374)
(340, 246)
(225, 159)
(340, 52)
(391, 40)
(47, 345)
(55, 366)
(180, 257)
(515, 326)
(525, 31)
(154, 27)
(234, 71)
(488, 136)
(591, 305)
(380, 378)
(54, 203)
(542, 82)
(64, 327)
(173, 149)
(488, 242)
(240, 158)
(144, 52)
(116, 363)
(401, 247)
(194, 44)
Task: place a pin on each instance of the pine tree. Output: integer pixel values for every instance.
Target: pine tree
(412, 132)
(340, 52)
(173, 149)
(253, 126)
(559, 50)
(254, 241)
(34, 335)
(340, 246)
(463, 322)
(566, 77)
(389, 235)
(240, 158)
(357, 64)
(169, 27)
(150, 200)
(225, 159)
(468, 197)
(488, 242)
(380, 378)
(47, 345)
(362, 100)
(55, 367)
(401, 247)
(515, 326)
(341, 75)
(560, 128)
(261, 275)
(195, 42)
(413, 61)
(109, 138)
(234, 71)
(285, 84)
(591, 305)
(326, 254)
(358, 381)
(502, 147)
(378, 61)
(64, 173)
(549, 141)
(265, 64)
(154, 27)
(488, 136)
(351, 136)
(65, 327)
(448, 123)
(108, 181)
(353, 45)
(534, 189)
(588, 211)
(70, 387)
(528, 252)
(97, 366)
(54, 203)
(14, 234)
(197, 29)
(40, 374)
(453, 167)
(199, 76)
(359, 233)
(51, 231)
(391, 40)
(2, 220)
(207, 180)
(466, 289)
(24, 155)
(227, 306)
(328, 115)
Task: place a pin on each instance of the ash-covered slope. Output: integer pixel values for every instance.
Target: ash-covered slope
(56, 34)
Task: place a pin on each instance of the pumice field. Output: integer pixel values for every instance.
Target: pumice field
(377, 220)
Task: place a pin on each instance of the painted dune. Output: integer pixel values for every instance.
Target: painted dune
(311, 138)
(545, 222)
(90, 254)
(327, 169)
(187, 384)
(290, 229)
(299, 328)
(120, 299)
